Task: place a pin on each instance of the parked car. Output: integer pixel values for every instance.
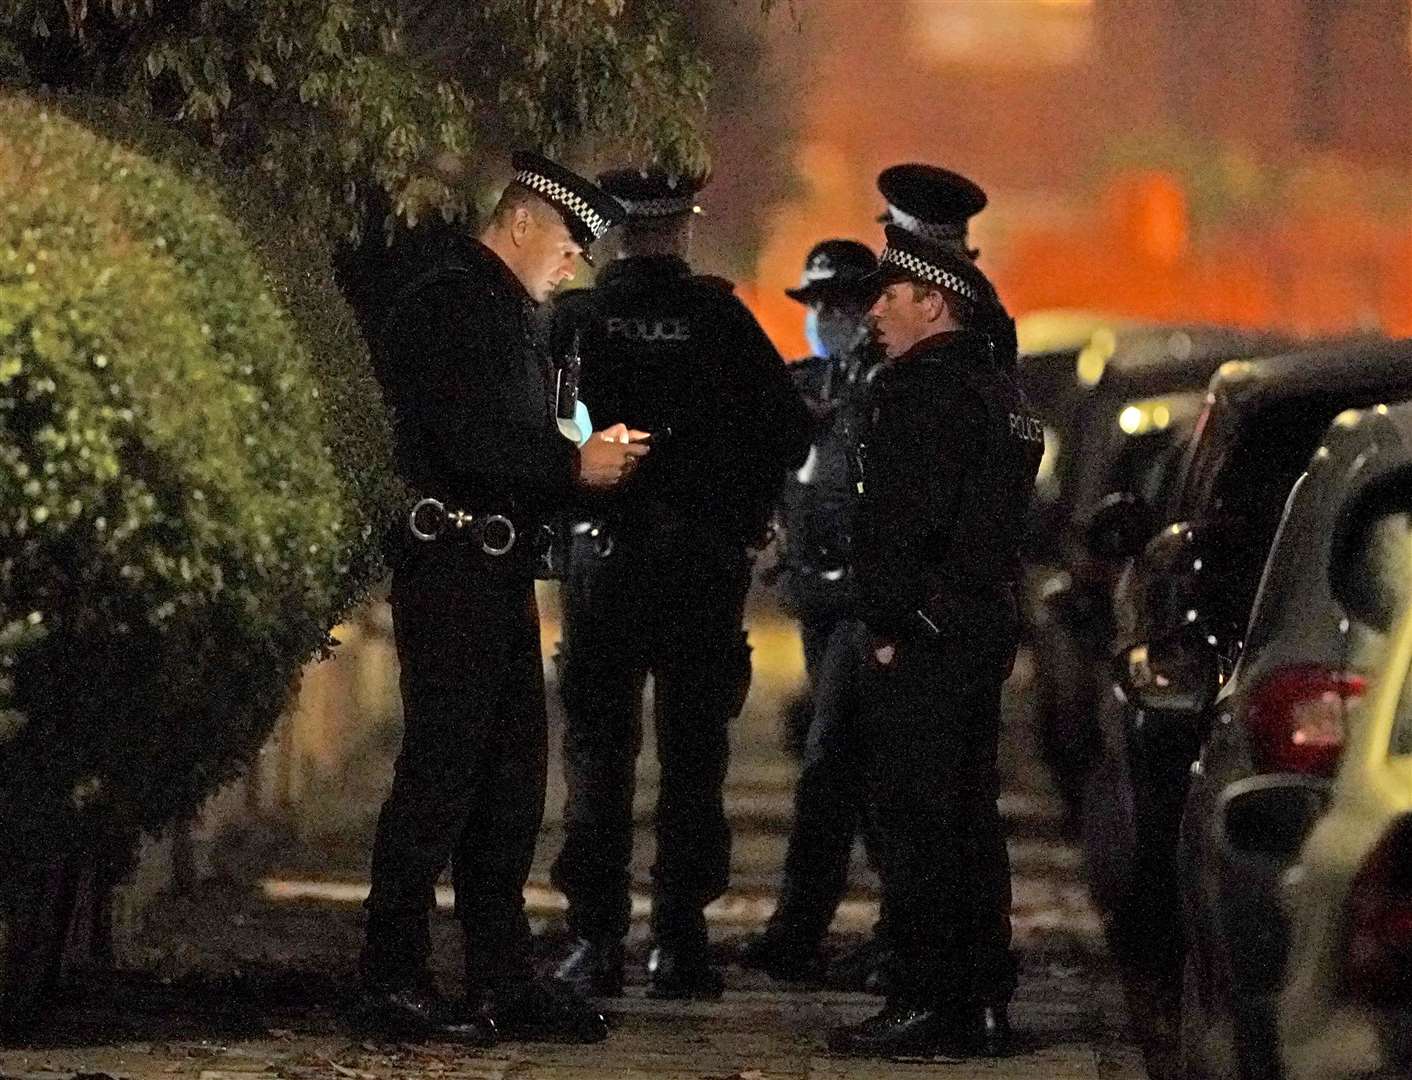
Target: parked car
(1345, 1010)
(1135, 395)
(1183, 610)
(1337, 574)
(1051, 343)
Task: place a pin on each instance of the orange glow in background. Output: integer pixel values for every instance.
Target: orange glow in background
(1282, 199)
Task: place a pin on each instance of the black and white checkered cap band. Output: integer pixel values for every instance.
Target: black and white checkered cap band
(558, 193)
(931, 230)
(930, 272)
(653, 208)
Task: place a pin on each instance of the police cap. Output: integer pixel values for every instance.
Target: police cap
(931, 201)
(833, 268)
(652, 194)
(587, 210)
(909, 257)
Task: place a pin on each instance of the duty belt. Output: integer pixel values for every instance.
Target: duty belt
(430, 520)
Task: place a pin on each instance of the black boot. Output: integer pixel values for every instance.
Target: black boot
(861, 968)
(780, 956)
(678, 971)
(904, 1032)
(533, 1009)
(412, 1009)
(593, 968)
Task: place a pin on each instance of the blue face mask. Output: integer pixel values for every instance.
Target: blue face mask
(833, 331)
(811, 332)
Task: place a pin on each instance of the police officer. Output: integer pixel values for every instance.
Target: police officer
(946, 457)
(830, 800)
(656, 582)
(812, 568)
(476, 443)
(816, 580)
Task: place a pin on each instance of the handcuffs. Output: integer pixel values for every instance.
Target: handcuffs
(494, 532)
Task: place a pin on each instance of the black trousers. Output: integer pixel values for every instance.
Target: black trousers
(814, 634)
(469, 781)
(673, 611)
(830, 797)
(931, 721)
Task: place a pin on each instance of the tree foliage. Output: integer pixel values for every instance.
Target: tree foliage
(336, 100)
(581, 78)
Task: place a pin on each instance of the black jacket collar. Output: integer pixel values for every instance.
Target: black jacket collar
(962, 346)
(480, 260)
(653, 268)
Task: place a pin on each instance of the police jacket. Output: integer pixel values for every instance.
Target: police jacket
(460, 365)
(947, 456)
(663, 349)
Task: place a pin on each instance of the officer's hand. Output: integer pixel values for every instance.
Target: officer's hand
(881, 652)
(609, 456)
(621, 433)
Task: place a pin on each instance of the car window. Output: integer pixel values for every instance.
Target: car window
(1272, 450)
(1375, 584)
(1402, 726)
(1204, 453)
(1248, 493)
(1386, 565)
(1154, 474)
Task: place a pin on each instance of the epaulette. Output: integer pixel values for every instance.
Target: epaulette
(446, 271)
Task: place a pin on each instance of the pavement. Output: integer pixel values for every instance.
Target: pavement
(250, 974)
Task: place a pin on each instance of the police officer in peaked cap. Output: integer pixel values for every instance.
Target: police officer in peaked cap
(656, 581)
(937, 204)
(813, 515)
(945, 460)
(817, 582)
(477, 445)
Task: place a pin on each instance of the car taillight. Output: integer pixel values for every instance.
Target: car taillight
(1377, 955)
(1296, 718)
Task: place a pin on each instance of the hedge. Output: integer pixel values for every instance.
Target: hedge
(193, 476)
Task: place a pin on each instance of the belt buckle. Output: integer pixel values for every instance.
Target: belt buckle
(427, 504)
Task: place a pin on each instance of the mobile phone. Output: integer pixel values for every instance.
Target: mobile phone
(656, 437)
